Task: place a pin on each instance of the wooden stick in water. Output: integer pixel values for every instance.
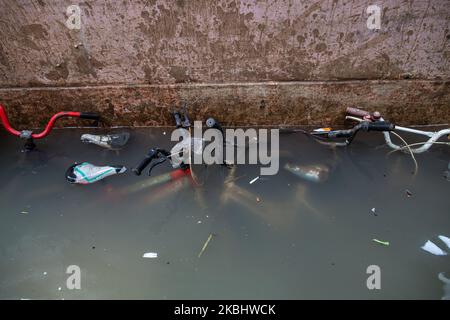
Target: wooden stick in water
(205, 245)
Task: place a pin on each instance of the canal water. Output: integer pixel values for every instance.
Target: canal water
(280, 237)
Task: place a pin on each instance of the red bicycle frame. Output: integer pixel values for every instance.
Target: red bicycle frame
(27, 134)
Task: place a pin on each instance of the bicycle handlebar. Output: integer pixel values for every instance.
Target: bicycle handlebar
(366, 115)
(364, 126)
(50, 124)
(154, 153)
(374, 118)
(90, 116)
(357, 112)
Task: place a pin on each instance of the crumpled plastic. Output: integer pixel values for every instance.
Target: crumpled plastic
(432, 248)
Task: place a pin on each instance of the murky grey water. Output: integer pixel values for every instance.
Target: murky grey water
(280, 237)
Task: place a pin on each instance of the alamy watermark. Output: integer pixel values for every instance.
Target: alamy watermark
(374, 19)
(231, 146)
(374, 280)
(74, 17)
(74, 280)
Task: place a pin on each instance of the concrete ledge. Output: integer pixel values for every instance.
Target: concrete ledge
(418, 102)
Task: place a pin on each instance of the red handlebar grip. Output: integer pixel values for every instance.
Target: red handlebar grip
(357, 112)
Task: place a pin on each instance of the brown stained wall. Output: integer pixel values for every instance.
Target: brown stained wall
(221, 54)
(241, 104)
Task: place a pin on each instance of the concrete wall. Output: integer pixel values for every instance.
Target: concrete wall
(245, 61)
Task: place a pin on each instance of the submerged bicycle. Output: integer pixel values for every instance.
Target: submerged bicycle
(375, 122)
(29, 136)
(375, 117)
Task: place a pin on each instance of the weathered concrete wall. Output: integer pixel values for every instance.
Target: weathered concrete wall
(246, 42)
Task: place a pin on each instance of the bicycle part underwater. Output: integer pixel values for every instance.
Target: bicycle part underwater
(160, 155)
(364, 116)
(317, 173)
(29, 136)
(115, 141)
(86, 173)
(181, 118)
(350, 134)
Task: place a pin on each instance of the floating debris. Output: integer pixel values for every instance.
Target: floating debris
(374, 211)
(446, 282)
(384, 243)
(322, 130)
(258, 199)
(205, 245)
(447, 175)
(433, 249)
(254, 180)
(314, 173)
(445, 240)
(408, 193)
(24, 212)
(150, 255)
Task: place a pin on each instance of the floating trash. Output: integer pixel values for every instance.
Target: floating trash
(314, 173)
(254, 180)
(433, 249)
(86, 173)
(151, 255)
(445, 240)
(384, 243)
(322, 130)
(114, 141)
(205, 245)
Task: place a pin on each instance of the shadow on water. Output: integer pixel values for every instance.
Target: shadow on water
(279, 237)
